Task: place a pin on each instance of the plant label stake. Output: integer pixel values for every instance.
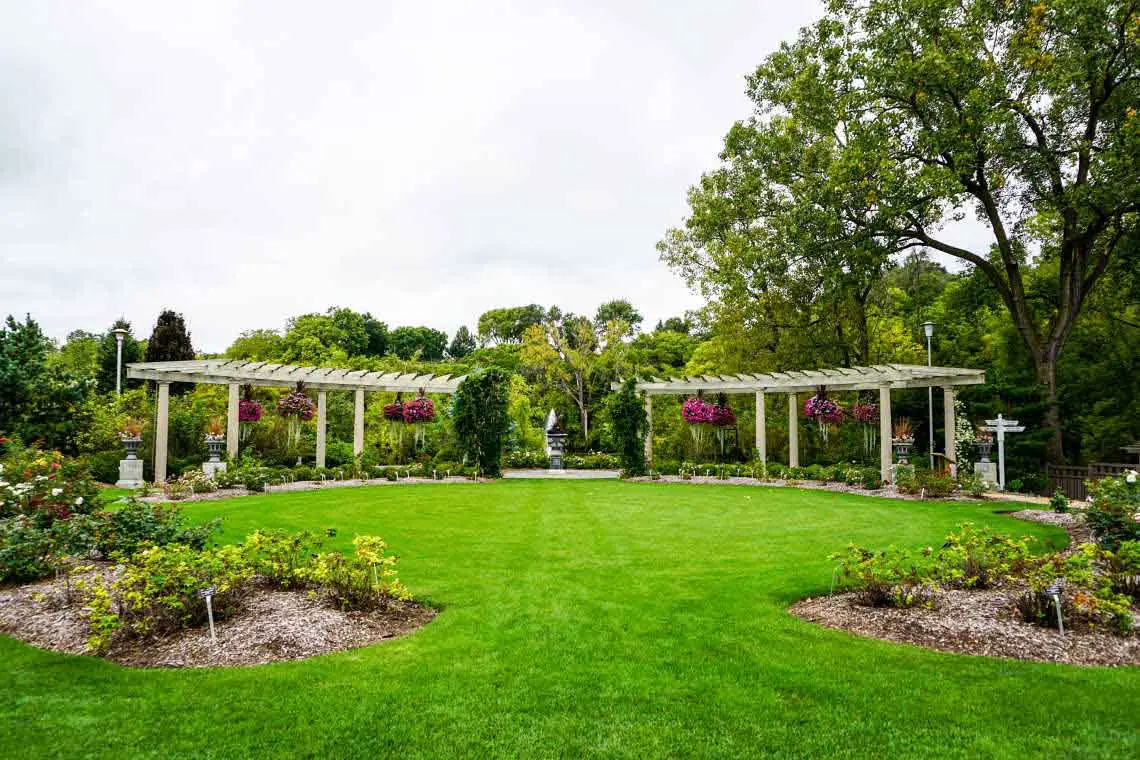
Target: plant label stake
(1054, 592)
(208, 594)
(1000, 427)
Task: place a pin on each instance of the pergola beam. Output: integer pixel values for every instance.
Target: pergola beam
(898, 376)
(224, 372)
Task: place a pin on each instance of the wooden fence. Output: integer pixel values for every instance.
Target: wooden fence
(1071, 478)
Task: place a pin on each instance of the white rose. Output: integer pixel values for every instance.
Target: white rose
(1131, 476)
(79, 501)
(56, 491)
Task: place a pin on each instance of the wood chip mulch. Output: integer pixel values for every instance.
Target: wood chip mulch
(977, 622)
(272, 626)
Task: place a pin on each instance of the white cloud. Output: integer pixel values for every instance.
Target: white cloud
(245, 161)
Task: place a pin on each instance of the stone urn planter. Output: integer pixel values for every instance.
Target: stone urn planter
(902, 448)
(214, 444)
(984, 449)
(132, 446)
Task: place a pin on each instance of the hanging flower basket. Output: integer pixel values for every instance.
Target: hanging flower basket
(419, 411)
(394, 412)
(824, 411)
(699, 414)
(867, 413)
(249, 411)
(296, 404)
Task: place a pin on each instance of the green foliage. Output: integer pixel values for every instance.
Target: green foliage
(481, 418)
(890, 578)
(158, 591)
(627, 413)
(107, 357)
(422, 342)
(509, 324)
(1059, 502)
(27, 551)
(1113, 509)
(280, 557)
(170, 342)
(363, 581)
(977, 558)
(462, 344)
(136, 524)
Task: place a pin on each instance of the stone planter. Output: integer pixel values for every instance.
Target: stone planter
(984, 449)
(214, 446)
(131, 468)
(132, 447)
(902, 448)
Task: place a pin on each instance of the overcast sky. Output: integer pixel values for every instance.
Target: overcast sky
(241, 162)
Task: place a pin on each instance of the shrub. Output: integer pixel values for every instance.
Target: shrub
(27, 552)
(45, 487)
(282, 558)
(978, 558)
(871, 479)
(890, 578)
(481, 419)
(1124, 569)
(364, 581)
(138, 523)
(1112, 510)
(1059, 501)
(526, 459)
(158, 592)
(627, 412)
(776, 471)
(972, 483)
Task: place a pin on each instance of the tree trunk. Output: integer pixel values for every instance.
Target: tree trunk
(1046, 366)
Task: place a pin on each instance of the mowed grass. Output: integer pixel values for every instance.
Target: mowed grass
(589, 618)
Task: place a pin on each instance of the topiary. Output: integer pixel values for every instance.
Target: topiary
(630, 423)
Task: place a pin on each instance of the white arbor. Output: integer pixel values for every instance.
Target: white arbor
(238, 373)
(881, 377)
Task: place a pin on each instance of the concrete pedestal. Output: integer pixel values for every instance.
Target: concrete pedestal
(213, 468)
(130, 473)
(988, 471)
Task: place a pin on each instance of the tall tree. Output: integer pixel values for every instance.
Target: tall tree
(892, 117)
(576, 357)
(170, 342)
(108, 356)
(407, 342)
(508, 324)
(618, 309)
(462, 344)
(256, 345)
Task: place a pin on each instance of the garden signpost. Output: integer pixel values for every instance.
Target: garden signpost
(999, 428)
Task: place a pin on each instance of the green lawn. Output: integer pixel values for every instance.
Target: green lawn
(589, 617)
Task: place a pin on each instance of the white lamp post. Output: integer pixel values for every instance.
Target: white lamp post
(928, 328)
(119, 333)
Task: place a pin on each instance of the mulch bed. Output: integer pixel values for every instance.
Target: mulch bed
(272, 626)
(977, 622)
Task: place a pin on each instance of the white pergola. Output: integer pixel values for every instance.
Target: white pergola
(881, 377)
(238, 373)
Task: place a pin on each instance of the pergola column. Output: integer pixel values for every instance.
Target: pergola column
(161, 432)
(761, 429)
(948, 424)
(358, 424)
(793, 431)
(885, 459)
(648, 429)
(233, 422)
(322, 425)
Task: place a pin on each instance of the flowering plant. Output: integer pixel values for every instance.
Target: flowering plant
(722, 416)
(418, 410)
(131, 430)
(45, 487)
(865, 412)
(697, 411)
(296, 404)
(823, 410)
(394, 412)
(249, 411)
